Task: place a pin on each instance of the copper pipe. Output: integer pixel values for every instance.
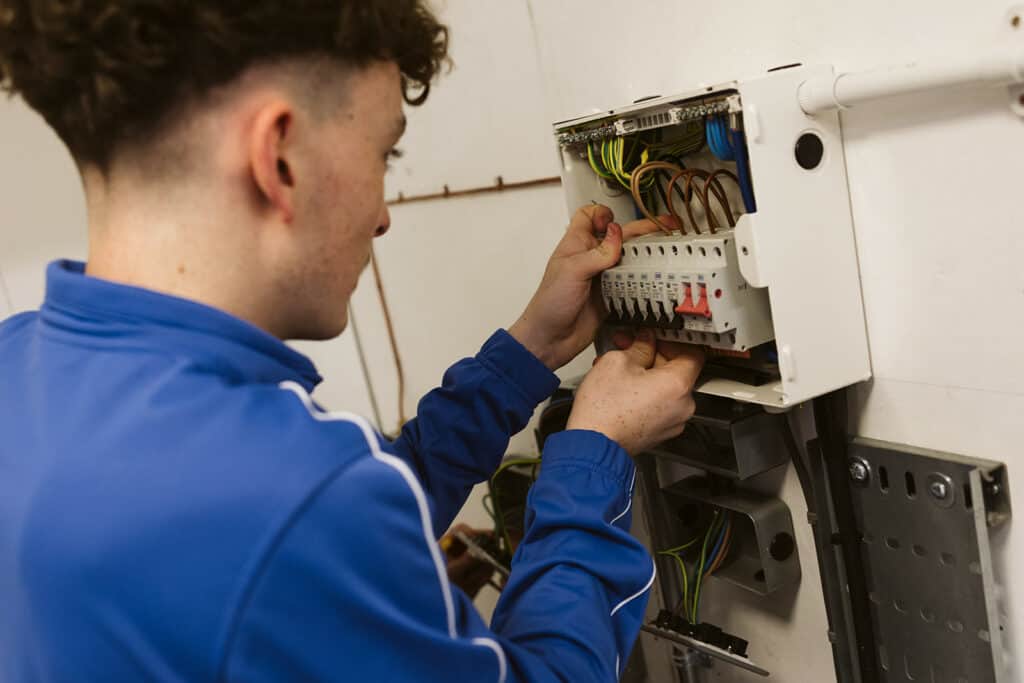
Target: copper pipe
(499, 186)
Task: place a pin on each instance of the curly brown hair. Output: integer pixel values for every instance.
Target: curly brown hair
(104, 73)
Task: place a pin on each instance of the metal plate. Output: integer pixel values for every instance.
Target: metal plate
(706, 648)
(924, 517)
(764, 558)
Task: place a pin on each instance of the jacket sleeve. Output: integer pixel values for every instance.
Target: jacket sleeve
(356, 588)
(462, 428)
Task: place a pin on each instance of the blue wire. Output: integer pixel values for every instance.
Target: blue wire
(718, 545)
(718, 138)
(739, 144)
(711, 133)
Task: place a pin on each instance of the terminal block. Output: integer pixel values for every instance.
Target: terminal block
(690, 289)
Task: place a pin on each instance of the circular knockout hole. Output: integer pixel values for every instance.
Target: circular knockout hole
(781, 547)
(745, 251)
(718, 294)
(809, 151)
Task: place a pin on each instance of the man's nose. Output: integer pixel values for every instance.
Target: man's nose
(385, 223)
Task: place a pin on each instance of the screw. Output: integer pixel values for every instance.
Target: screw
(858, 471)
(939, 489)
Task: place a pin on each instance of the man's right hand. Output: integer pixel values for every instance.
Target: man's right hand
(639, 396)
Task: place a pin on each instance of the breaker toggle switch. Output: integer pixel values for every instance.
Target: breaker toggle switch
(702, 307)
(686, 305)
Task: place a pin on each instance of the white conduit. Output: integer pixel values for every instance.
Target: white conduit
(842, 91)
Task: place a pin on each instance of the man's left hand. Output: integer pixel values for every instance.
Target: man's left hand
(563, 316)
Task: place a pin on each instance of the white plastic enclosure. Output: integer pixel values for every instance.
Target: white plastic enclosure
(798, 246)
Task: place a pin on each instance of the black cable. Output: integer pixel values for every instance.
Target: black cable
(830, 420)
(812, 481)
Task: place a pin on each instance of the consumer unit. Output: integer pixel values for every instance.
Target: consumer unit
(755, 259)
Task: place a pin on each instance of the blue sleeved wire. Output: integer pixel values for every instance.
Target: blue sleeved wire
(718, 545)
(718, 138)
(739, 144)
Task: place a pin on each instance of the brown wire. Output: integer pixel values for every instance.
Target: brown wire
(726, 542)
(686, 199)
(638, 173)
(723, 200)
(688, 192)
(710, 182)
(391, 337)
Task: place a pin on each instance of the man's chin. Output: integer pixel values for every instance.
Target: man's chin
(323, 330)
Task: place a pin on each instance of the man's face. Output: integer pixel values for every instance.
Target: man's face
(340, 199)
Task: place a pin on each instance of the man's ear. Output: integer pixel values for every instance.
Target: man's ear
(269, 144)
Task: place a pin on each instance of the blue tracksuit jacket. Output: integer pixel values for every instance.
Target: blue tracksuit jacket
(175, 507)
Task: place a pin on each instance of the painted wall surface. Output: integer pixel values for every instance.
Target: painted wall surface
(934, 182)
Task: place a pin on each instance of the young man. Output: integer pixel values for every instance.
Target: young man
(173, 504)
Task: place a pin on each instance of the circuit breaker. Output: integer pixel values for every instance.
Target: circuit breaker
(689, 288)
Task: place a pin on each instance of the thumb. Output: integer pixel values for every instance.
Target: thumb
(603, 256)
(642, 351)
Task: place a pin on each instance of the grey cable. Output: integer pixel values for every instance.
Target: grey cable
(365, 368)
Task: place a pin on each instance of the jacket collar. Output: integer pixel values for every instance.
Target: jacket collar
(94, 311)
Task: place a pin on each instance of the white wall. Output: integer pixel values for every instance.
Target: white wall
(934, 182)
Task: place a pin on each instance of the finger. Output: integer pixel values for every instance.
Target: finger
(641, 352)
(645, 227)
(622, 340)
(684, 369)
(459, 566)
(602, 257)
(591, 218)
(671, 350)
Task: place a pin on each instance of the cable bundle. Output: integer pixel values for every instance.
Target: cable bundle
(711, 186)
(731, 145)
(707, 563)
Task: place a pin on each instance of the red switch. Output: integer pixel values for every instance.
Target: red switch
(702, 307)
(687, 304)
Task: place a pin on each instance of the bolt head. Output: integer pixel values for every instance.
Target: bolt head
(858, 471)
(939, 489)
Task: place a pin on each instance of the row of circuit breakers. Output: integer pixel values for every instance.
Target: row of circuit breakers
(689, 288)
